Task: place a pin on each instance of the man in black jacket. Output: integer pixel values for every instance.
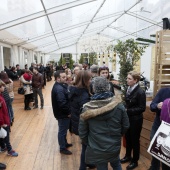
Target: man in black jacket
(61, 109)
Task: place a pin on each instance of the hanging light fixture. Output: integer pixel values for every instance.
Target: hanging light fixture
(99, 55)
(103, 54)
(108, 54)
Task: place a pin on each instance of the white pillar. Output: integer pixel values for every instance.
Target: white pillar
(21, 57)
(38, 58)
(1, 59)
(43, 59)
(14, 55)
(30, 57)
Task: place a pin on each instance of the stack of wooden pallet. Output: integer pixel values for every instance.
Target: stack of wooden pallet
(162, 60)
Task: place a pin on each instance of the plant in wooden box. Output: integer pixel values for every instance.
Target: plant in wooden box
(129, 52)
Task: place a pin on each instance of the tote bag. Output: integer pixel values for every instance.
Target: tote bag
(21, 90)
(160, 144)
(3, 133)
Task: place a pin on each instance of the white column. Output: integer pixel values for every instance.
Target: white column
(43, 59)
(14, 55)
(21, 57)
(1, 59)
(46, 57)
(30, 57)
(38, 58)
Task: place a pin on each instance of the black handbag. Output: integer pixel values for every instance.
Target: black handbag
(21, 90)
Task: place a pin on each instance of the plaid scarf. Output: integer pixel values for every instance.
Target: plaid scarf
(100, 96)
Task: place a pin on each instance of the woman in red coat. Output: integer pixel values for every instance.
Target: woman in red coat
(5, 123)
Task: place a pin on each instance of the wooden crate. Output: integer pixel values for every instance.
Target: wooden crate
(162, 60)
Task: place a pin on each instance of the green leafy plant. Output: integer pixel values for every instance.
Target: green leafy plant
(92, 58)
(62, 61)
(129, 53)
(71, 62)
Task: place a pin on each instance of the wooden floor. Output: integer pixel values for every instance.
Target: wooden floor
(34, 137)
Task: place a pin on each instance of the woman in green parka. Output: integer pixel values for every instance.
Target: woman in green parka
(102, 123)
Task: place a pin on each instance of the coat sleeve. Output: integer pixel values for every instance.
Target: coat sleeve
(156, 100)
(140, 108)
(125, 121)
(24, 81)
(62, 102)
(83, 131)
(84, 100)
(41, 81)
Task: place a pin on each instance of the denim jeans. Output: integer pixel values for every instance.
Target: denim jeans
(63, 125)
(104, 166)
(38, 91)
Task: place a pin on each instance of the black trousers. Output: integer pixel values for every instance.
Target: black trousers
(132, 138)
(27, 100)
(5, 143)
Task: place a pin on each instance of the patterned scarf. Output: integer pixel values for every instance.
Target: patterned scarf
(100, 96)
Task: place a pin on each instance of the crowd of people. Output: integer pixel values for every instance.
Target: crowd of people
(87, 103)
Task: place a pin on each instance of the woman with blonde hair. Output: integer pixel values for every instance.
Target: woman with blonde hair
(135, 106)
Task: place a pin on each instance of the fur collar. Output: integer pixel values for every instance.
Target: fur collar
(98, 107)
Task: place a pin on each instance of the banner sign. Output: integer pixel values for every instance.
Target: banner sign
(160, 144)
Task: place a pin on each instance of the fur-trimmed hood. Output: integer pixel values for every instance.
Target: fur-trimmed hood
(98, 107)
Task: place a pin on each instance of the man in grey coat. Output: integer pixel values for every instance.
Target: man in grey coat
(102, 123)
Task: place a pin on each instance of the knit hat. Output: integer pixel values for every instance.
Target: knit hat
(27, 76)
(100, 85)
(94, 68)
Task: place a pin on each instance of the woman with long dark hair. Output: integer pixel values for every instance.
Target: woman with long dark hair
(79, 95)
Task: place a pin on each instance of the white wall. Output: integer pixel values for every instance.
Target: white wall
(146, 62)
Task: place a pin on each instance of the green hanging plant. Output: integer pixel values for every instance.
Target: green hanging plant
(129, 53)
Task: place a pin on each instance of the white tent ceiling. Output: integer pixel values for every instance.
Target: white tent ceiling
(50, 25)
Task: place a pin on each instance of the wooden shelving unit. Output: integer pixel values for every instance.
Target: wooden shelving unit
(162, 60)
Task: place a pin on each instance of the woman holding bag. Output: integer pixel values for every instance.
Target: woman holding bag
(5, 123)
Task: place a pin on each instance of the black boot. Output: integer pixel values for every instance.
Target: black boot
(125, 159)
(2, 166)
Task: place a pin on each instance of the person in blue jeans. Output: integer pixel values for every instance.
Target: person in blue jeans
(102, 123)
(61, 109)
(155, 106)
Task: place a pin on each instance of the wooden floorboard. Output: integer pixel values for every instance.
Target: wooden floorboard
(34, 137)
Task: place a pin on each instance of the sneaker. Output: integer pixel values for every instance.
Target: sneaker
(66, 152)
(3, 150)
(12, 153)
(69, 145)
